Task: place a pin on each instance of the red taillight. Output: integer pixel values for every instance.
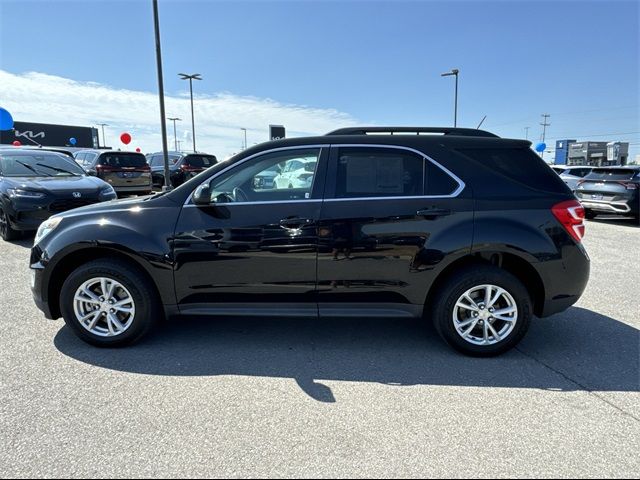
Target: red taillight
(571, 215)
(189, 168)
(629, 185)
(145, 168)
(105, 168)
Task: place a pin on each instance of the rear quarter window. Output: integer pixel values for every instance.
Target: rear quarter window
(521, 165)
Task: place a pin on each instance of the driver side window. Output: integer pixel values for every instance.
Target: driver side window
(269, 177)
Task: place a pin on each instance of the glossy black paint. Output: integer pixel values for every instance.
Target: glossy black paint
(324, 255)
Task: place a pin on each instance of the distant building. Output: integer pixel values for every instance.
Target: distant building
(617, 153)
(593, 154)
(562, 151)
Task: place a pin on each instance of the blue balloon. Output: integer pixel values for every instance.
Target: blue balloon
(6, 120)
(73, 141)
(541, 147)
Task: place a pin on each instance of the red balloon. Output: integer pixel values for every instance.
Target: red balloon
(138, 150)
(16, 143)
(125, 138)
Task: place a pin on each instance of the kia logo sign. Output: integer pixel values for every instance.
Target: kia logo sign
(77, 194)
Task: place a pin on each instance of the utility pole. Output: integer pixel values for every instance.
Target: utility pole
(526, 133)
(163, 123)
(545, 124)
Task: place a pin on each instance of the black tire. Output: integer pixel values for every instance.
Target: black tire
(454, 286)
(7, 232)
(147, 303)
(590, 214)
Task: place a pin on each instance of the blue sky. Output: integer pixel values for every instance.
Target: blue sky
(354, 61)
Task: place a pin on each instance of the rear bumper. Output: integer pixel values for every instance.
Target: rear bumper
(609, 207)
(564, 280)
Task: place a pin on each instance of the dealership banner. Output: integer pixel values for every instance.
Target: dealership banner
(50, 135)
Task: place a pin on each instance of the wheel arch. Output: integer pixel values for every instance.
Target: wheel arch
(513, 264)
(73, 260)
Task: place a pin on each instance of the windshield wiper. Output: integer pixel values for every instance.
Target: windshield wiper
(26, 165)
(62, 170)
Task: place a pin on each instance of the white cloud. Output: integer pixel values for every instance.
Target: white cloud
(38, 97)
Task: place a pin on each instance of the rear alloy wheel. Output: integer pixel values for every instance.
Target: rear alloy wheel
(482, 310)
(109, 303)
(6, 231)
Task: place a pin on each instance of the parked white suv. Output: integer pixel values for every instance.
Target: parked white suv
(296, 173)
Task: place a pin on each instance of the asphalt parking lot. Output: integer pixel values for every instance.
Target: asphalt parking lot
(360, 398)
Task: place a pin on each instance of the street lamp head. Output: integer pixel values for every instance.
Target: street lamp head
(454, 71)
(195, 76)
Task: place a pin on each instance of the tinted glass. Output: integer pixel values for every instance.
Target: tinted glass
(379, 172)
(200, 161)
(39, 165)
(121, 160)
(519, 164)
(439, 182)
(256, 181)
(611, 174)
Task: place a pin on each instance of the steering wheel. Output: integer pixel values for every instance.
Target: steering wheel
(239, 195)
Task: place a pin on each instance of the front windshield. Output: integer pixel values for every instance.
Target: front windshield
(40, 164)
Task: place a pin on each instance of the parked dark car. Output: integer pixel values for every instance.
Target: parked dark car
(127, 172)
(35, 184)
(459, 226)
(611, 190)
(182, 166)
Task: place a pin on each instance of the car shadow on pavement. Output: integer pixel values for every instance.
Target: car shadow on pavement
(576, 350)
(614, 220)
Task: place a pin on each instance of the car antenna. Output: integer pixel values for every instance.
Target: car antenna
(481, 122)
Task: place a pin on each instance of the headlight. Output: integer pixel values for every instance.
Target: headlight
(18, 192)
(46, 228)
(107, 191)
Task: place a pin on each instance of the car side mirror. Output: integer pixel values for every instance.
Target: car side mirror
(202, 195)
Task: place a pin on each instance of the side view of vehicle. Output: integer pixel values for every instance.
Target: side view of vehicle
(182, 166)
(126, 172)
(35, 184)
(457, 226)
(571, 175)
(611, 190)
(296, 173)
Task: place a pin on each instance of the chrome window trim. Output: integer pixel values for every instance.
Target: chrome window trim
(455, 193)
(187, 202)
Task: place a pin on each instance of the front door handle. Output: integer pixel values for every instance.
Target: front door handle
(295, 222)
(433, 212)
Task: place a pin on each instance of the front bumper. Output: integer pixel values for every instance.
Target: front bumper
(37, 289)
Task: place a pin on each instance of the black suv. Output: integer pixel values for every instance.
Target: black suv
(182, 166)
(458, 226)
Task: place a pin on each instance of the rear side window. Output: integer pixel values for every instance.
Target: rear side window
(519, 164)
(379, 172)
(123, 160)
(612, 174)
(200, 161)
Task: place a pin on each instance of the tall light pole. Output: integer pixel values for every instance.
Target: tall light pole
(104, 141)
(175, 135)
(191, 78)
(454, 72)
(245, 138)
(526, 133)
(165, 154)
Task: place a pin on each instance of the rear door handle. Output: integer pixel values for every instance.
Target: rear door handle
(295, 222)
(433, 212)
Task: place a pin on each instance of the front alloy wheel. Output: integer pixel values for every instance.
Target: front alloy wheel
(104, 307)
(109, 303)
